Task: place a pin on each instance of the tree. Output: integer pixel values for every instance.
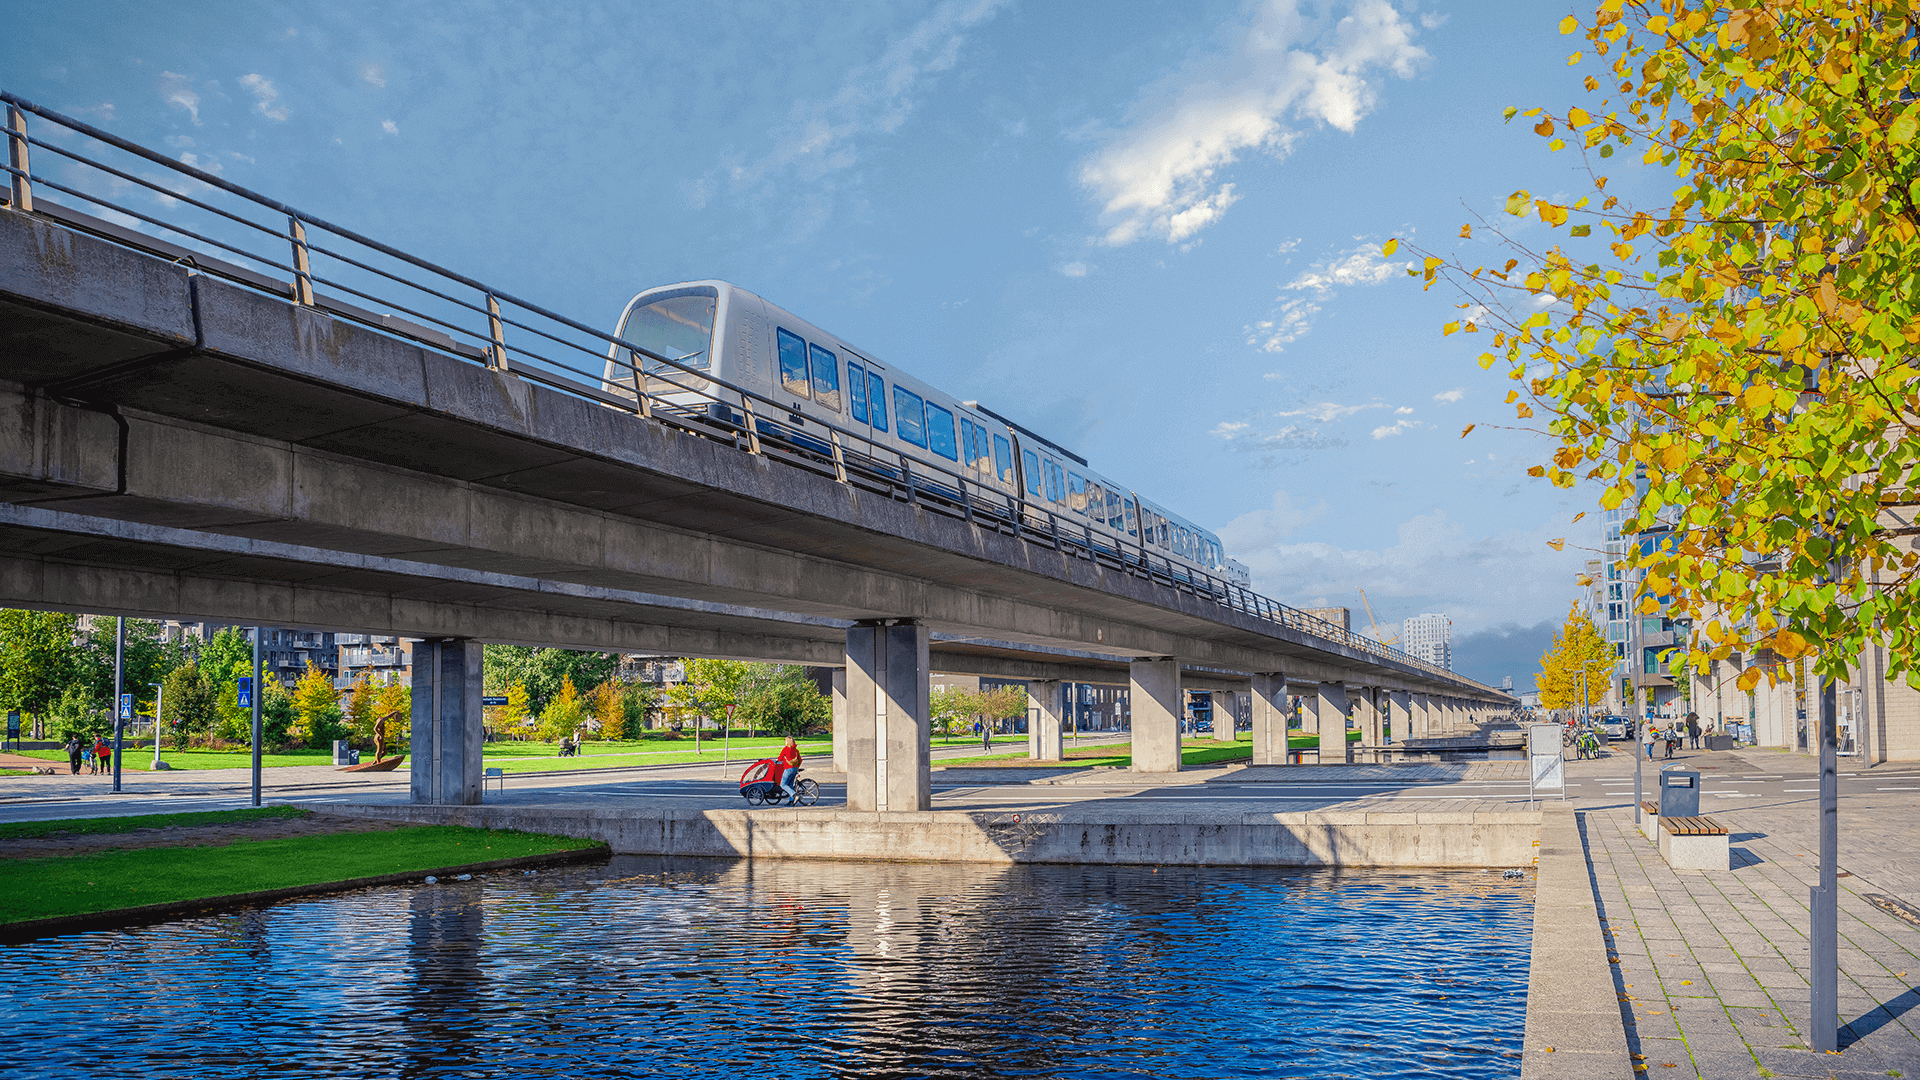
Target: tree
(38, 659)
(317, 707)
(1004, 703)
(710, 686)
(1737, 364)
(77, 712)
(779, 698)
(952, 708)
(188, 702)
(565, 714)
(543, 670)
(1578, 649)
(393, 703)
(145, 658)
(610, 710)
(362, 708)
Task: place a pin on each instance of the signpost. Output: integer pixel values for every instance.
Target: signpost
(253, 703)
(158, 690)
(490, 702)
(726, 742)
(13, 728)
(1545, 750)
(119, 670)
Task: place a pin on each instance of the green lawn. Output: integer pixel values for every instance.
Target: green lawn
(543, 757)
(1203, 752)
(79, 884)
(33, 830)
(141, 759)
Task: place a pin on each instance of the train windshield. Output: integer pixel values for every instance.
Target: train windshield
(674, 327)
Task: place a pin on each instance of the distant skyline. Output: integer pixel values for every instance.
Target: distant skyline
(1151, 232)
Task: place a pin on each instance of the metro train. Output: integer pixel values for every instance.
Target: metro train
(717, 328)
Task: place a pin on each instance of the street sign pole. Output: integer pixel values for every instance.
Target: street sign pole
(119, 725)
(257, 695)
(1824, 937)
(726, 742)
(158, 690)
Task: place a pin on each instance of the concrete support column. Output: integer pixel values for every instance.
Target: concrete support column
(1331, 708)
(447, 733)
(1044, 731)
(1225, 711)
(888, 732)
(1419, 716)
(1270, 719)
(1402, 715)
(839, 720)
(1367, 717)
(1158, 708)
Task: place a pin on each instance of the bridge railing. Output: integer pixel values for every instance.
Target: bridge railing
(147, 200)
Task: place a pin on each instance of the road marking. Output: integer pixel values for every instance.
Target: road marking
(1897, 789)
(1798, 790)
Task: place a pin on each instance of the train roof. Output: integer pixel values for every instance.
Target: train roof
(1029, 433)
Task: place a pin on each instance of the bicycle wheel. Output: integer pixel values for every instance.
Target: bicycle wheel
(754, 798)
(806, 794)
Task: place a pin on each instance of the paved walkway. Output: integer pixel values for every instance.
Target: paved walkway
(1712, 966)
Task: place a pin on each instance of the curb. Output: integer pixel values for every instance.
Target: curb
(1574, 1030)
(14, 933)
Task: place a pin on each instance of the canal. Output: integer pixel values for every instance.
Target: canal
(724, 969)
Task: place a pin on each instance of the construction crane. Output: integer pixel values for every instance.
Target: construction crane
(1375, 626)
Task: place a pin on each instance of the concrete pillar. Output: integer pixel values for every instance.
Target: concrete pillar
(888, 733)
(1158, 708)
(1331, 708)
(1044, 731)
(447, 733)
(839, 720)
(1402, 715)
(1224, 713)
(1420, 716)
(1270, 719)
(1366, 716)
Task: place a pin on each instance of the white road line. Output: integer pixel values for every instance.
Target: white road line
(1897, 789)
(1799, 790)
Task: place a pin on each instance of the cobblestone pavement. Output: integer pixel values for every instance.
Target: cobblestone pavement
(1712, 966)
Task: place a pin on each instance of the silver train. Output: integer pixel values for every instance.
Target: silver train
(724, 330)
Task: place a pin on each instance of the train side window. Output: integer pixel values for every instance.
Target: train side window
(877, 401)
(1003, 459)
(982, 452)
(1076, 493)
(969, 440)
(826, 377)
(940, 432)
(1056, 488)
(1133, 529)
(793, 364)
(911, 411)
(857, 391)
(1032, 462)
(1113, 509)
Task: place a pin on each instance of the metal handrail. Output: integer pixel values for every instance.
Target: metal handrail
(853, 456)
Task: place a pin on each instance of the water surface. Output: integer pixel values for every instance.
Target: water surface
(710, 968)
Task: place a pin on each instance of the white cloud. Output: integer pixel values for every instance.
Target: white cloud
(266, 98)
(374, 74)
(1326, 411)
(875, 99)
(1363, 265)
(1448, 397)
(1287, 246)
(1400, 427)
(1158, 175)
(1403, 411)
(1432, 565)
(1289, 322)
(389, 127)
(1261, 528)
(177, 90)
(1075, 269)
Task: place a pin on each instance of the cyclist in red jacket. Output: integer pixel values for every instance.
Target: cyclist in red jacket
(789, 762)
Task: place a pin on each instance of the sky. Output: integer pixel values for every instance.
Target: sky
(1150, 231)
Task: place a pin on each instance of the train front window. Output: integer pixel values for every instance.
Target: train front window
(857, 391)
(940, 432)
(1003, 458)
(1032, 462)
(793, 364)
(679, 326)
(877, 401)
(910, 411)
(826, 377)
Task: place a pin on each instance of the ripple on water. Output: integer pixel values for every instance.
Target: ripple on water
(711, 968)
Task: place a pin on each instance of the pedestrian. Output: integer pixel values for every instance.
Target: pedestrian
(102, 754)
(1672, 739)
(1646, 738)
(74, 750)
(1693, 729)
(986, 737)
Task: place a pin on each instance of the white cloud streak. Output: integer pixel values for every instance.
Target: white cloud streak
(266, 98)
(1289, 322)
(1448, 397)
(177, 91)
(1160, 175)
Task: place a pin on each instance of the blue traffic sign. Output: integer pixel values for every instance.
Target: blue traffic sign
(246, 692)
(126, 706)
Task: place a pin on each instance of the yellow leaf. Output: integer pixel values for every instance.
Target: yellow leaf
(1387, 249)
(1789, 644)
(1544, 127)
(1450, 329)
(1657, 24)
(1465, 430)
(1583, 580)
(1557, 544)
(1572, 60)
(1537, 470)
(1577, 117)
(1518, 202)
(1466, 232)
(1578, 516)
(1513, 396)
(1523, 410)
(1569, 24)
(1748, 679)
(1757, 396)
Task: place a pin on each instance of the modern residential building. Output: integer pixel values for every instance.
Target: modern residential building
(1428, 637)
(382, 658)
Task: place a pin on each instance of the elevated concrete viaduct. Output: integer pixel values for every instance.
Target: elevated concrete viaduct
(172, 442)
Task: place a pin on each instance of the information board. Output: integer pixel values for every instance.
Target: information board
(1545, 749)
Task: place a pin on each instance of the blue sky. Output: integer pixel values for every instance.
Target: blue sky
(1150, 231)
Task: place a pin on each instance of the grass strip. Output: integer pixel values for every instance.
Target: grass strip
(34, 830)
(114, 880)
(1097, 756)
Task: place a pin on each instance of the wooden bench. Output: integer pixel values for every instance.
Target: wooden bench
(1694, 843)
(1646, 816)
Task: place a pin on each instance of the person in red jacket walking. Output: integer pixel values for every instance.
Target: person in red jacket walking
(789, 762)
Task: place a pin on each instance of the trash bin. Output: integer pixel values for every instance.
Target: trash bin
(340, 752)
(1679, 792)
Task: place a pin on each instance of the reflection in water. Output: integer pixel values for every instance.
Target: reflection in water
(711, 968)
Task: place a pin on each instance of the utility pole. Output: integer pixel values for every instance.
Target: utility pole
(119, 725)
(1823, 938)
(258, 693)
(158, 690)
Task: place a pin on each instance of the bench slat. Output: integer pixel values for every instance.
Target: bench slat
(1693, 826)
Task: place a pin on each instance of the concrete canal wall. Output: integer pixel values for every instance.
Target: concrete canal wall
(1429, 839)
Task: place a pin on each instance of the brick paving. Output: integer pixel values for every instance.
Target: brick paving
(1712, 966)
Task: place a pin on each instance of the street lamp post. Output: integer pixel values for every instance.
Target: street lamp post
(1823, 939)
(119, 725)
(157, 691)
(257, 695)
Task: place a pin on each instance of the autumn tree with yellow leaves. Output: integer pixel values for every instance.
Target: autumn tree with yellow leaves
(1738, 363)
(1578, 650)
